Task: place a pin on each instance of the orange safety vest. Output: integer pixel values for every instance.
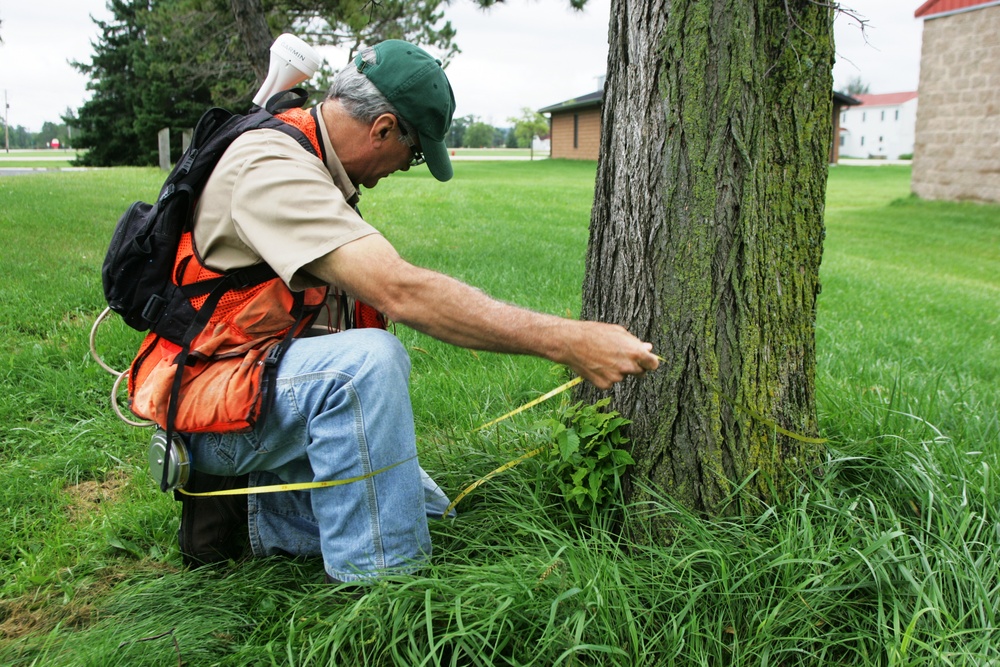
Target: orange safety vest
(223, 385)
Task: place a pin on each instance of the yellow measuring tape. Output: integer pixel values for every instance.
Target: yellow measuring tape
(770, 423)
(558, 390)
(482, 480)
(299, 486)
(569, 385)
(275, 488)
(521, 459)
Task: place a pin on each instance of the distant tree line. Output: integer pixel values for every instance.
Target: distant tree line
(21, 137)
(470, 132)
(161, 63)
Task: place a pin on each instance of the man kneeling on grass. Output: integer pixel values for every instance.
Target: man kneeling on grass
(340, 407)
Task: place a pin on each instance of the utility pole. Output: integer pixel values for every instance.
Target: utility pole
(6, 123)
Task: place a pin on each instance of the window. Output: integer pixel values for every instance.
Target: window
(897, 114)
(576, 130)
(883, 116)
(843, 140)
(863, 114)
(862, 141)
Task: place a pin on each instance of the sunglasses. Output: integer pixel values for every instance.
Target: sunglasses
(417, 156)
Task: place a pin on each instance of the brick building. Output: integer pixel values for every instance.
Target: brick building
(957, 149)
(575, 125)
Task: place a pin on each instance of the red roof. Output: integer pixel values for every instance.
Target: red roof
(885, 99)
(935, 7)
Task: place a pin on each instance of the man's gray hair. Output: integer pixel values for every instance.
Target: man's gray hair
(361, 99)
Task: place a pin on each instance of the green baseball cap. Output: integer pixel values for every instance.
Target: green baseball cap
(414, 82)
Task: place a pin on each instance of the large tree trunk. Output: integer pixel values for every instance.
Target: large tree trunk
(251, 23)
(706, 237)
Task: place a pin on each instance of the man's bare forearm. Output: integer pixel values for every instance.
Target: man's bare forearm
(456, 313)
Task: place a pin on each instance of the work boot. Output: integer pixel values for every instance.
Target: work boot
(214, 528)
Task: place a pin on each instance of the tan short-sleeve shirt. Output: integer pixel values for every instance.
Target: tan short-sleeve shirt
(269, 199)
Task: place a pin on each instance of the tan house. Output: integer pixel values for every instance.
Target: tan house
(575, 126)
(956, 153)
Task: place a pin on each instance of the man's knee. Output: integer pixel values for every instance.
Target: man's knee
(385, 354)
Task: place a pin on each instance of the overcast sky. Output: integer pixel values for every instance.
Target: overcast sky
(523, 53)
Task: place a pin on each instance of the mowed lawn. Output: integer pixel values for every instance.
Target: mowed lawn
(887, 557)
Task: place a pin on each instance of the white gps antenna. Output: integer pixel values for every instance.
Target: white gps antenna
(292, 62)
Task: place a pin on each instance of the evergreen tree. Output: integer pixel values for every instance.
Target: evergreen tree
(169, 96)
(105, 123)
(52, 132)
(161, 63)
(510, 139)
(21, 137)
(138, 88)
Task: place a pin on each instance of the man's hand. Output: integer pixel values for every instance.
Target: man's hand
(604, 354)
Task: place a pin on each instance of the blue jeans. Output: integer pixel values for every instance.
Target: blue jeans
(341, 410)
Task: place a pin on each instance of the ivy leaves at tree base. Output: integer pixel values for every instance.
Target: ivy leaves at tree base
(588, 459)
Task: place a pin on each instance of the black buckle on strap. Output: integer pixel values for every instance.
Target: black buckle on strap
(273, 356)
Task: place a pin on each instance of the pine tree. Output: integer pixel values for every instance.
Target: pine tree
(138, 88)
(161, 63)
(105, 123)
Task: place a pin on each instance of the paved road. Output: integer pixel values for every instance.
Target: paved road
(17, 171)
(12, 157)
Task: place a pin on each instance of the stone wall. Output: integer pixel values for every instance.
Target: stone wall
(957, 151)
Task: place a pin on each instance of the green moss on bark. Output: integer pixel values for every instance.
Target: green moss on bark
(719, 228)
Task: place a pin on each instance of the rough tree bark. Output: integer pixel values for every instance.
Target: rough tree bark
(706, 237)
(251, 23)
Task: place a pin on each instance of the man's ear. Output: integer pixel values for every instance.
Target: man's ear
(382, 128)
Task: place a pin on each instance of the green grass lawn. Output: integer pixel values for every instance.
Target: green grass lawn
(888, 558)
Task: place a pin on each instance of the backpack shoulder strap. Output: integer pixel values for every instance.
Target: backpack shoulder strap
(303, 126)
(286, 99)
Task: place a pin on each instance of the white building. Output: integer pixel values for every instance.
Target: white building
(882, 126)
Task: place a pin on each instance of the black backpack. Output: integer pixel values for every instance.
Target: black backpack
(140, 259)
(138, 267)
